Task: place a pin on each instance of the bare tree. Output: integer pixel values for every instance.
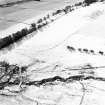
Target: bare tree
(88, 2)
(11, 74)
(71, 48)
(101, 52)
(80, 50)
(92, 51)
(85, 50)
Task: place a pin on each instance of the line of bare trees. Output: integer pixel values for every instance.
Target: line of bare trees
(88, 2)
(85, 50)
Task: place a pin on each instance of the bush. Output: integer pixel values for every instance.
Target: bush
(78, 4)
(16, 36)
(39, 21)
(5, 74)
(90, 1)
(44, 18)
(92, 51)
(68, 8)
(58, 11)
(11, 73)
(48, 16)
(71, 48)
(24, 32)
(79, 49)
(101, 52)
(33, 27)
(39, 26)
(4, 42)
(85, 50)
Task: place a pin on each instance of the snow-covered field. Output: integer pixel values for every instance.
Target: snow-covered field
(76, 29)
(20, 13)
(47, 56)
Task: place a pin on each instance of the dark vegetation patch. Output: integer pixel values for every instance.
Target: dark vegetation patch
(11, 73)
(88, 2)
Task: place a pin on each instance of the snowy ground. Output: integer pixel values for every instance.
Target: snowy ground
(11, 16)
(80, 33)
(47, 56)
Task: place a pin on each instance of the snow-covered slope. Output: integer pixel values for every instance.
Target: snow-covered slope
(58, 76)
(18, 14)
(76, 29)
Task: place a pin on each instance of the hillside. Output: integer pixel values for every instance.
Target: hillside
(20, 13)
(65, 62)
